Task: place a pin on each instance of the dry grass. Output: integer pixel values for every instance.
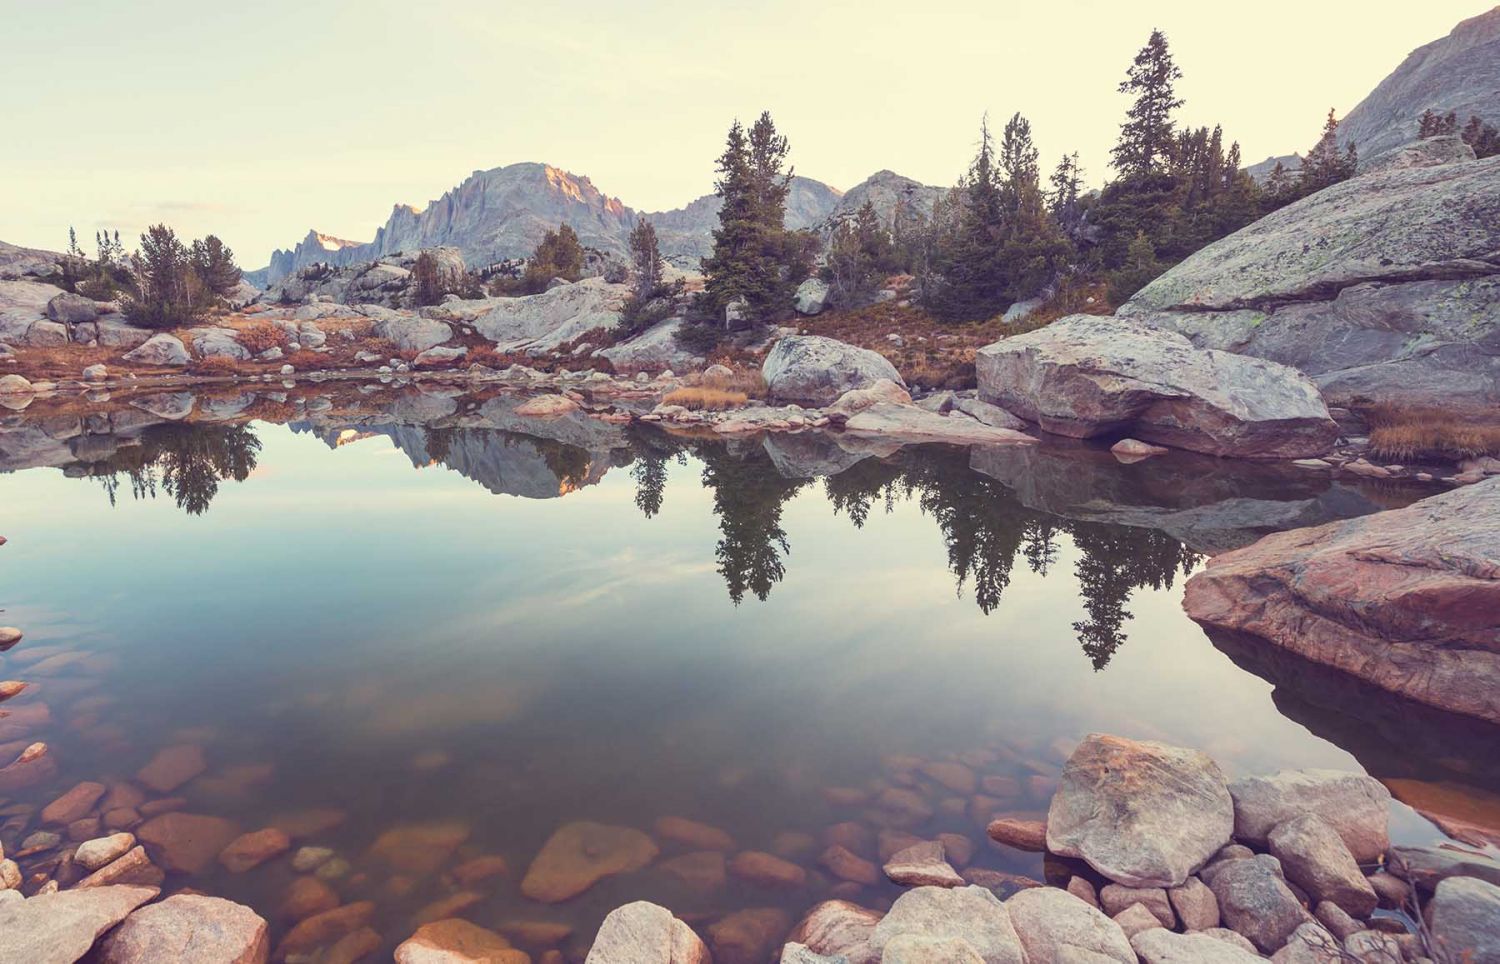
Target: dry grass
(306, 360)
(740, 381)
(1410, 434)
(262, 337)
(706, 398)
(217, 365)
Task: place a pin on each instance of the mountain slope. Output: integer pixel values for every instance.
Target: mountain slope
(1459, 72)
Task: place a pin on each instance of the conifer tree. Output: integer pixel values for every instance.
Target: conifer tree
(1066, 197)
(970, 271)
(214, 265)
(646, 286)
(1032, 248)
(1146, 136)
(1326, 164)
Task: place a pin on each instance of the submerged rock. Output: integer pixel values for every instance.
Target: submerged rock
(1141, 813)
(1403, 599)
(1086, 376)
(645, 933)
(581, 854)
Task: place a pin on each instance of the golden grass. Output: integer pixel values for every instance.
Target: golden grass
(1406, 433)
(746, 382)
(706, 398)
(262, 337)
(217, 365)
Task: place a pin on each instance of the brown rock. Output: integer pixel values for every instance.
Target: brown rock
(186, 842)
(86, 828)
(892, 842)
(93, 854)
(253, 849)
(9, 688)
(475, 869)
(122, 794)
(537, 933)
(581, 854)
(353, 946)
(954, 776)
(1403, 599)
(1195, 904)
(152, 808)
(1003, 787)
(325, 928)
(306, 896)
(121, 818)
(133, 867)
(850, 835)
(766, 870)
(643, 933)
(792, 843)
(703, 870)
(837, 928)
(34, 765)
(923, 865)
(172, 767)
(1114, 898)
(958, 848)
(1136, 918)
(449, 906)
(188, 927)
(73, 805)
(298, 824)
(844, 864)
(904, 805)
(1084, 891)
(748, 936)
(418, 849)
(699, 836)
(1020, 833)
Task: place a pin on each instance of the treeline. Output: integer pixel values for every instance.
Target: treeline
(164, 284)
(1003, 234)
(1482, 137)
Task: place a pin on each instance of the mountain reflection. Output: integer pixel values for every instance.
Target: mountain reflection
(1121, 528)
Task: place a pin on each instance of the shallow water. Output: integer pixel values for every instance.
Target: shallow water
(411, 610)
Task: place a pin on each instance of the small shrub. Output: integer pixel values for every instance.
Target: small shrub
(705, 398)
(306, 360)
(746, 382)
(487, 356)
(262, 337)
(215, 365)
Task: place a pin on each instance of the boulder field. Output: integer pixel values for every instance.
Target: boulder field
(1406, 599)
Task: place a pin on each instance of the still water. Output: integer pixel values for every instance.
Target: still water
(414, 609)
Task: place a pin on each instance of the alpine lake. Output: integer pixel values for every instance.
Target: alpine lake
(416, 629)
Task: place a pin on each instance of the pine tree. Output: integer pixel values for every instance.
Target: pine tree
(1427, 126)
(858, 255)
(214, 265)
(426, 281)
(73, 247)
(646, 285)
(1326, 164)
(557, 255)
(167, 286)
(970, 279)
(1065, 200)
(1146, 136)
(1032, 247)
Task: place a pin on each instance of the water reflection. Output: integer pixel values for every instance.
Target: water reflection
(187, 462)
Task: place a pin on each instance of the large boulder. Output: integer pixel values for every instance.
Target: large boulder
(908, 423)
(542, 322)
(1086, 376)
(1384, 287)
(160, 349)
(189, 927)
(654, 349)
(218, 343)
(971, 914)
(71, 309)
(812, 296)
(1257, 903)
(409, 332)
(1428, 152)
(813, 370)
(1466, 920)
(1141, 813)
(1404, 599)
(837, 928)
(1058, 928)
(645, 933)
(60, 928)
(1314, 857)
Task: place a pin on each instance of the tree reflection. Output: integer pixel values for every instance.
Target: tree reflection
(748, 496)
(186, 461)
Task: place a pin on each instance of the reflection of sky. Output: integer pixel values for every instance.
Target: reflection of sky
(414, 604)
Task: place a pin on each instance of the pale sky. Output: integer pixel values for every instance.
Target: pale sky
(256, 121)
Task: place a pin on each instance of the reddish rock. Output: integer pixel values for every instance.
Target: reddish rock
(133, 867)
(960, 849)
(325, 928)
(163, 805)
(893, 842)
(9, 688)
(581, 854)
(62, 926)
(96, 853)
(418, 849)
(837, 928)
(253, 849)
(703, 870)
(923, 865)
(537, 933)
(475, 869)
(954, 776)
(851, 836)
(34, 765)
(188, 927)
(186, 842)
(306, 896)
(308, 823)
(172, 767)
(699, 836)
(1403, 599)
(843, 863)
(86, 828)
(748, 936)
(450, 906)
(766, 870)
(121, 818)
(1018, 832)
(353, 946)
(73, 805)
(641, 933)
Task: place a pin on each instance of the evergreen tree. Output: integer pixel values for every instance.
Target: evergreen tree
(1146, 136)
(168, 290)
(755, 260)
(426, 281)
(1066, 199)
(1032, 247)
(214, 265)
(1326, 164)
(73, 247)
(558, 255)
(646, 304)
(969, 278)
(858, 255)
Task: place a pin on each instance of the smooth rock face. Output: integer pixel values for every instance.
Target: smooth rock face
(411, 333)
(1314, 857)
(1466, 919)
(1385, 287)
(972, 914)
(189, 927)
(72, 309)
(1161, 946)
(1255, 901)
(580, 854)
(1403, 599)
(544, 321)
(912, 424)
(922, 865)
(645, 933)
(811, 296)
(1428, 152)
(1085, 376)
(93, 854)
(813, 370)
(921, 949)
(654, 349)
(837, 928)
(1057, 928)
(160, 349)
(59, 928)
(1143, 814)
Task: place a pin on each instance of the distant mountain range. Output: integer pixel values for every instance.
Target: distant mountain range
(502, 213)
(1459, 73)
